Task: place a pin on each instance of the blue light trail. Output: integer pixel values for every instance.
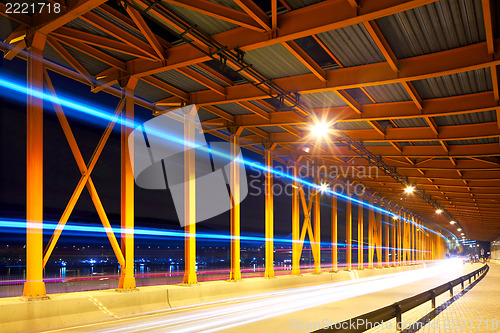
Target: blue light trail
(10, 83)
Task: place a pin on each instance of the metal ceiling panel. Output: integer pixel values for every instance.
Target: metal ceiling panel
(234, 109)
(388, 93)
(275, 61)
(208, 75)
(92, 65)
(352, 45)
(467, 118)
(325, 99)
(149, 92)
(180, 81)
(207, 23)
(472, 141)
(470, 82)
(135, 32)
(411, 122)
(354, 125)
(6, 27)
(439, 26)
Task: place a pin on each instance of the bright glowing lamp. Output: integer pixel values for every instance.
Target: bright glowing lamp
(409, 189)
(320, 129)
(439, 211)
(452, 222)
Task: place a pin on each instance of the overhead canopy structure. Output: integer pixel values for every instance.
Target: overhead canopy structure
(416, 81)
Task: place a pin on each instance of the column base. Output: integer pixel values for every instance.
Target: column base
(34, 291)
(190, 278)
(126, 283)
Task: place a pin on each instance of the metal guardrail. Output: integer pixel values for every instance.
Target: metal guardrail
(397, 309)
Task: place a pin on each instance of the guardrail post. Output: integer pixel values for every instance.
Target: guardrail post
(451, 289)
(470, 279)
(399, 317)
(462, 283)
(433, 299)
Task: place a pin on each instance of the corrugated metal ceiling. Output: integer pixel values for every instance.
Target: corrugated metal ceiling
(388, 93)
(352, 45)
(467, 118)
(180, 81)
(149, 92)
(472, 141)
(119, 23)
(438, 26)
(411, 122)
(234, 109)
(275, 61)
(324, 99)
(475, 81)
(92, 65)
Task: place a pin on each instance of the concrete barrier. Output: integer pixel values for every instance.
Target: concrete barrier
(80, 308)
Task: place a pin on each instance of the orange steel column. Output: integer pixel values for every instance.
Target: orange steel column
(398, 234)
(413, 240)
(404, 245)
(360, 235)
(387, 236)
(335, 267)
(393, 242)
(189, 199)
(235, 274)
(127, 279)
(34, 287)
(317, 230)
(296, 248)
(371, 218)
(269, 272)
(378, 221)
(348, 234)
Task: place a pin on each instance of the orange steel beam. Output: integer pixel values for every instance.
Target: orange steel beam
(382, 44)
(447, 62)
(305, 59)
(146, 31)
(307, 21)
(219, 11)
(92, 52)
(254, 11)
(99, 41)
(120, 34)
(327, 50)
(488, 25)
(127, 279)
(34, 287)
(82, 182)
(235, 273)
(274, 14)
(69, 58)
(80, 8)
(68, 133)
(348, 234)
(446, 133)
(269, 207)
(334, 234)
(360, 236)
(190, 198)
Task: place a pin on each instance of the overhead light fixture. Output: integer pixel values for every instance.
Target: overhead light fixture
(459, 229)
(307, 149)
(462, 234)
(409, 189)
(323, 187)
(320, 129)
(439, 211)
(453, 222)
(395, 217)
